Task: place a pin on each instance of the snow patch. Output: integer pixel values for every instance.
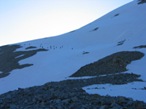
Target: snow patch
(133, 90)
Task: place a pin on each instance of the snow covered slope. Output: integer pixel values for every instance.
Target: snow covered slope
(120, 30)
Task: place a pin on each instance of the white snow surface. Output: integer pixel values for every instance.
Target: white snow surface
(65, 53)
(131, 90)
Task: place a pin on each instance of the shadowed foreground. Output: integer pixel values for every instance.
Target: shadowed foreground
(68, 94)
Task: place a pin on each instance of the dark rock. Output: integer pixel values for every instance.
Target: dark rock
(103, 107)
(115, 106)
(140, 47)
(13, 106)
(68, 94)
(75, 98)
(10, 58)
(95, 29)
(112, 64)
(121, 42)
(141, 1)
(117, 14)
(30, 47)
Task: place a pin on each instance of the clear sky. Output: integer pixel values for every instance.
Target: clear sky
(22, 20)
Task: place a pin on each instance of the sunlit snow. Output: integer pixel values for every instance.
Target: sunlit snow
(68, 52)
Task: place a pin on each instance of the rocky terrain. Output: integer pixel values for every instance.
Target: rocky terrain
(10, 58)
(114, 63)
(68, 94)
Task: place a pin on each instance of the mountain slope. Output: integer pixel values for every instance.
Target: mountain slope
(121, 30)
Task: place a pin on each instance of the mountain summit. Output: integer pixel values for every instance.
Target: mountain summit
(105, 57)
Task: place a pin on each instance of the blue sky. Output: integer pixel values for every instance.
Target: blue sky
(22, 20)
